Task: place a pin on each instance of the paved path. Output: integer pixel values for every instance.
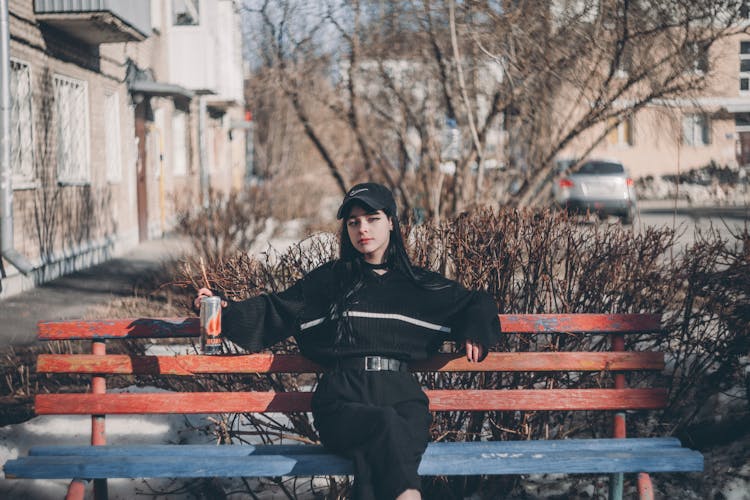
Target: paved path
(70, 296)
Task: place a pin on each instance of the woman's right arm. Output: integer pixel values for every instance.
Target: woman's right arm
(259, 322)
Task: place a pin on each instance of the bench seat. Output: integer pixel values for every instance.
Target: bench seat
(571, 456)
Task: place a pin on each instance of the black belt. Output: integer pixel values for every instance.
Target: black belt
(372, 364)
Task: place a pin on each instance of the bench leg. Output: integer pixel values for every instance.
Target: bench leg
(98, 435)
(100, 489)
(76, 489)
(645, 488)
(615, 486)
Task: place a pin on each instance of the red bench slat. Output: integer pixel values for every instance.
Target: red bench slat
(131, 328)
(580, 323)
(188, 327)
(290, 363)
(440, 400)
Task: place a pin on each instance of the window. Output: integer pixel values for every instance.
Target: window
(696, 130)
(179, 148)
(211, 149)
(601, 168)
(622, 133)
(451, 141)
(696, 57)
(21, 133)
(112, 144)
(72, 118)
(570, 11)
(625, 63)
(742, 120)
(155, 143)
(744, 66)
(185, 12)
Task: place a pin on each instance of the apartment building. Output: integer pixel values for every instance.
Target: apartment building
(676, 135)
(121, 115)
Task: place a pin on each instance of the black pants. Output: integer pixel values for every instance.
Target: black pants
(381, 421)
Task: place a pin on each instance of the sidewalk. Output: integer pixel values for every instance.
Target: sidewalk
(68, 297)
(682, 207)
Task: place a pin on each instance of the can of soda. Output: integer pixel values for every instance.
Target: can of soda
(211, 325)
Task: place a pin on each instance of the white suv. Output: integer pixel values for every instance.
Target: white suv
(598, 186)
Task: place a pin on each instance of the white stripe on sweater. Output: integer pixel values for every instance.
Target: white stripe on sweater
(399, 317)
(310, 324)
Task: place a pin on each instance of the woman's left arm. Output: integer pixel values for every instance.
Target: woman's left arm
(476, 323)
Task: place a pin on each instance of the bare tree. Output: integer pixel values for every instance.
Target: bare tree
(595, 63)
(425, 95)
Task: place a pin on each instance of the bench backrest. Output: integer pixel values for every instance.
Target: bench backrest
(98, 364)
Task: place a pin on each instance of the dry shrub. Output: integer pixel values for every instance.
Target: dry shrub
(227, 224)
(542, 262)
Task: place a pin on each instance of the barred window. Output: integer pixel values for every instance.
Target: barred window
(21, 130)
(71, 107)
(112, 144)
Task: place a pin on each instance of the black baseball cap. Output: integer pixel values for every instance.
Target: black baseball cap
(376, 196)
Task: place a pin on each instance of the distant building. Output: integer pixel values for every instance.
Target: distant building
(686, 133)
(121, 114)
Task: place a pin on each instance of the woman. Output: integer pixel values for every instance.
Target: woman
(364, 317)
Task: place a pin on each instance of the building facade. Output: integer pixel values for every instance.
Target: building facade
(117, 123)
(677, 135)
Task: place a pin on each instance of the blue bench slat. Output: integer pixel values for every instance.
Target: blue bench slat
(669, 459)
(586, 462)
(554, 445)
(432, 449)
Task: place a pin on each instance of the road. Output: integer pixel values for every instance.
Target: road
(688, 221)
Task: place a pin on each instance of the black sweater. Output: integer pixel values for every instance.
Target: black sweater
(392, 316)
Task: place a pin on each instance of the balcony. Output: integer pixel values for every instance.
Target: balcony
(97, 21)
(207, 56)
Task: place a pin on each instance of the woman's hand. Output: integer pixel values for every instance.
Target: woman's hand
(474, 351)
(205, 292)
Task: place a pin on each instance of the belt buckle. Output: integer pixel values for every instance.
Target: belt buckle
(373, 363)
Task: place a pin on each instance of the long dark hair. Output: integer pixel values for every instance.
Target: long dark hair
(349, 271)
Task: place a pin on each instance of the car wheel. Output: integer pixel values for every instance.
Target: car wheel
(627, 219)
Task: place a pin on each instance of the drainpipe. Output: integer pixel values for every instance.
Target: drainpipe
(6, 189)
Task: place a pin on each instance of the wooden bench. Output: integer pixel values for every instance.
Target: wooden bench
(98, 462)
